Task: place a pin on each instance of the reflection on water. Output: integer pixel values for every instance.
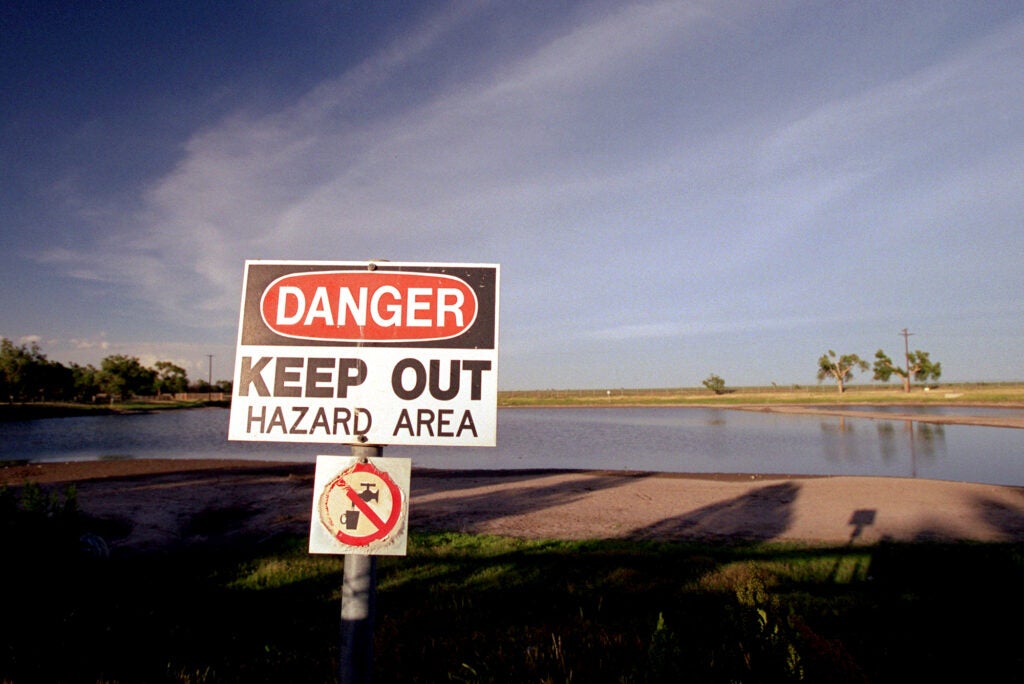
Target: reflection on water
(839, 441)
(698, 440)
(932, 410)
(924, 441)
(897, 442)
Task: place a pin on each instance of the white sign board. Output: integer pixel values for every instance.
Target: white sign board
(360, 507)
(374, 353)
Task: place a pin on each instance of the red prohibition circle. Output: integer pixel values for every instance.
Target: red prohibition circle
(382, 527)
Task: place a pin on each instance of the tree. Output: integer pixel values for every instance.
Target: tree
(715, 384)
(919, 365)
(22, 370)
(170, 379)
(57, 382)
(124, 376)
(86, 381)
(840, 368)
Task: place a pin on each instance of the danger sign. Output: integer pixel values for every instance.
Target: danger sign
(367, 353)
(360, 507)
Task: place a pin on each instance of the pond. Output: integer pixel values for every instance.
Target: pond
(669, 439)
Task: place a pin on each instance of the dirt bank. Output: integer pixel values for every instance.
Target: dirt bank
(149, 505)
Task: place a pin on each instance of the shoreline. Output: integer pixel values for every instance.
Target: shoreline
(170, 504)
(58, 472)
(812, 406)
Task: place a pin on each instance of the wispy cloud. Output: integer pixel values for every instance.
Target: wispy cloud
(733, 165)
(900, 120)
(320, 177)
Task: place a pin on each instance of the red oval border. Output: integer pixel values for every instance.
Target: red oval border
(373, 274)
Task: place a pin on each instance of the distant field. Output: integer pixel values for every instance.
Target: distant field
(987, 394)
(1011, 394)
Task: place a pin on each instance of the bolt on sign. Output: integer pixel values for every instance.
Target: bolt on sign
(367, 353)
(360, 507)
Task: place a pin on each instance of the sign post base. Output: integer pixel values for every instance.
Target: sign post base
(358, 605)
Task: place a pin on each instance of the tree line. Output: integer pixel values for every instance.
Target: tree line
(27, 375)
(840, 368)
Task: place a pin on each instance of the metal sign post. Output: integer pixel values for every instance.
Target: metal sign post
(358, 605)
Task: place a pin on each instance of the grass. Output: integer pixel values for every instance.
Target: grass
(62, 409)
(470, 608)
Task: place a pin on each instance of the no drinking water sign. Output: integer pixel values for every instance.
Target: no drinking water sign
(367, 353)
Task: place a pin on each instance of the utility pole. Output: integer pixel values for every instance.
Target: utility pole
(906, 353)
(209, 381)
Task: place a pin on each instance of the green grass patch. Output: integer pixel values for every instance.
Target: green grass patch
(59, 409)
(475, 608)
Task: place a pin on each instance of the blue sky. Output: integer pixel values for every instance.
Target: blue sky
(672, 189)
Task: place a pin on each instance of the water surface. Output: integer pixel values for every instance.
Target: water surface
(667, 439)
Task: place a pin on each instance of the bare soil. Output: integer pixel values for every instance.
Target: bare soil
(165, 505)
